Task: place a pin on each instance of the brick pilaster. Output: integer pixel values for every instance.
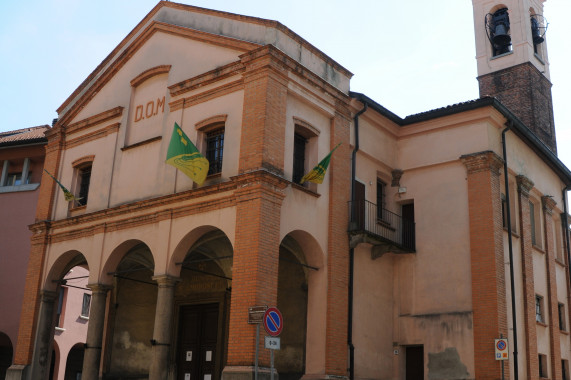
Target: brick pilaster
(259, 196)
(524, 186)
(39, 241)
(487, 260)
(263, 122)
(552, 302)
(338, 248)
(31, 300)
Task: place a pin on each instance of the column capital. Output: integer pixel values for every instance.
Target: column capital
(524, 185)
(99, 288)
(165, 280)
(548, 204)
(482, 161)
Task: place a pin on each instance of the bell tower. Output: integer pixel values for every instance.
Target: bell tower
(512, 61)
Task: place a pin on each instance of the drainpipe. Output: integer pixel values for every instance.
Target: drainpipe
(351, 250)
(510, 246)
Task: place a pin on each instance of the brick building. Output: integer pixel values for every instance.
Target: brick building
(398, 266)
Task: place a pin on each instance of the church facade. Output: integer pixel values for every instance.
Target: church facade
(429, 238)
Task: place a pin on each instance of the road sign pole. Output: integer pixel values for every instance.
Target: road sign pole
(257, 349)
(503, 378)
(271, 364)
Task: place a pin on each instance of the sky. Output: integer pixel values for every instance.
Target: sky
(410, 56)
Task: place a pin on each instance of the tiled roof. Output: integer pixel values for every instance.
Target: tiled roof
(25, 135)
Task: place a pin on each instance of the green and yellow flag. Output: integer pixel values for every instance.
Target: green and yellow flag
(66, 193)
(183, 155)
(317, 174)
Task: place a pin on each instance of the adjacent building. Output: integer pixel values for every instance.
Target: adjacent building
(430, 237)
(21, 159)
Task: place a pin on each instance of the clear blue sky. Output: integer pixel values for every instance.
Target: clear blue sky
(410, 56)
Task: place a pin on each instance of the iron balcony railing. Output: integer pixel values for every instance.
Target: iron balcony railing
(380, 222)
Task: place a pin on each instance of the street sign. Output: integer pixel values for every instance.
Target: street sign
(273, 321)
(501, 349)
(256, 314)
(273, 343)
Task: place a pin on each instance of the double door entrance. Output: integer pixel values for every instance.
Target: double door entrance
(197, 355)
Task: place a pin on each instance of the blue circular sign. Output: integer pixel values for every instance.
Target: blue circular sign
(273, 321)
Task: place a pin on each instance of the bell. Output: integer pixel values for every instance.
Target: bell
(535, 33)
(501, 36)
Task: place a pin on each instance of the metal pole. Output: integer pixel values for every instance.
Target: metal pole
(503, 378)
(271, 364)
(257, 349)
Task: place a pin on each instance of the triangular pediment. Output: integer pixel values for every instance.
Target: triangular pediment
(225, 30)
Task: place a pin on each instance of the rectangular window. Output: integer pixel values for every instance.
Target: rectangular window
(561, 312)
(299, 143)
(533, 223)
(539, 309)
(86, 305)
(565, 369)
(542, 365)
(84, 181)
(215, 150)
(381, 193)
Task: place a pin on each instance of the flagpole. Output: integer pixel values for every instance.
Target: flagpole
(181, 118)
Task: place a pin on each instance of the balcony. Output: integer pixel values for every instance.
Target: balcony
(384, 230)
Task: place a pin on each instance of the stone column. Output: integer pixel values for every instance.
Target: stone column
(524, 186)
(44, 336)
(548, 204)
(94, 341)
(162, 341)
(487, 260)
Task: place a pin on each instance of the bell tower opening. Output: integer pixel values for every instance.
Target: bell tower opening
(512, 60)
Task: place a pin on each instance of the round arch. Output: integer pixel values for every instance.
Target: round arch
(192, 239)
(118, 254)
(302, 298)
(61, 266)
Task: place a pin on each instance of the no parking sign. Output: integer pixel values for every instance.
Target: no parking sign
(273, 321)
(501, 349)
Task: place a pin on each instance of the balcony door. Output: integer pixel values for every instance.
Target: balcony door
(359, 205)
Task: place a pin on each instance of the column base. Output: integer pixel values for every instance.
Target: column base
(247, 373)
(18, 372)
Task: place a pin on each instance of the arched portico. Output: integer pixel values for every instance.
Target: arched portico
(53, 302)
(128, 275)
(201, 303)
(302, 294)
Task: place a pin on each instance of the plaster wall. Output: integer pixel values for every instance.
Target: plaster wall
(17, 209)
(374, 315)
(186, 56)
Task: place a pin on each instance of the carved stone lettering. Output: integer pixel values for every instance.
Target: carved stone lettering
(150, 109)
(139, 113)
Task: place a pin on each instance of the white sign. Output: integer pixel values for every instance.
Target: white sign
(273, 342)
(208, 356)
(502, 350)
(189, 356)
(187, 376)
